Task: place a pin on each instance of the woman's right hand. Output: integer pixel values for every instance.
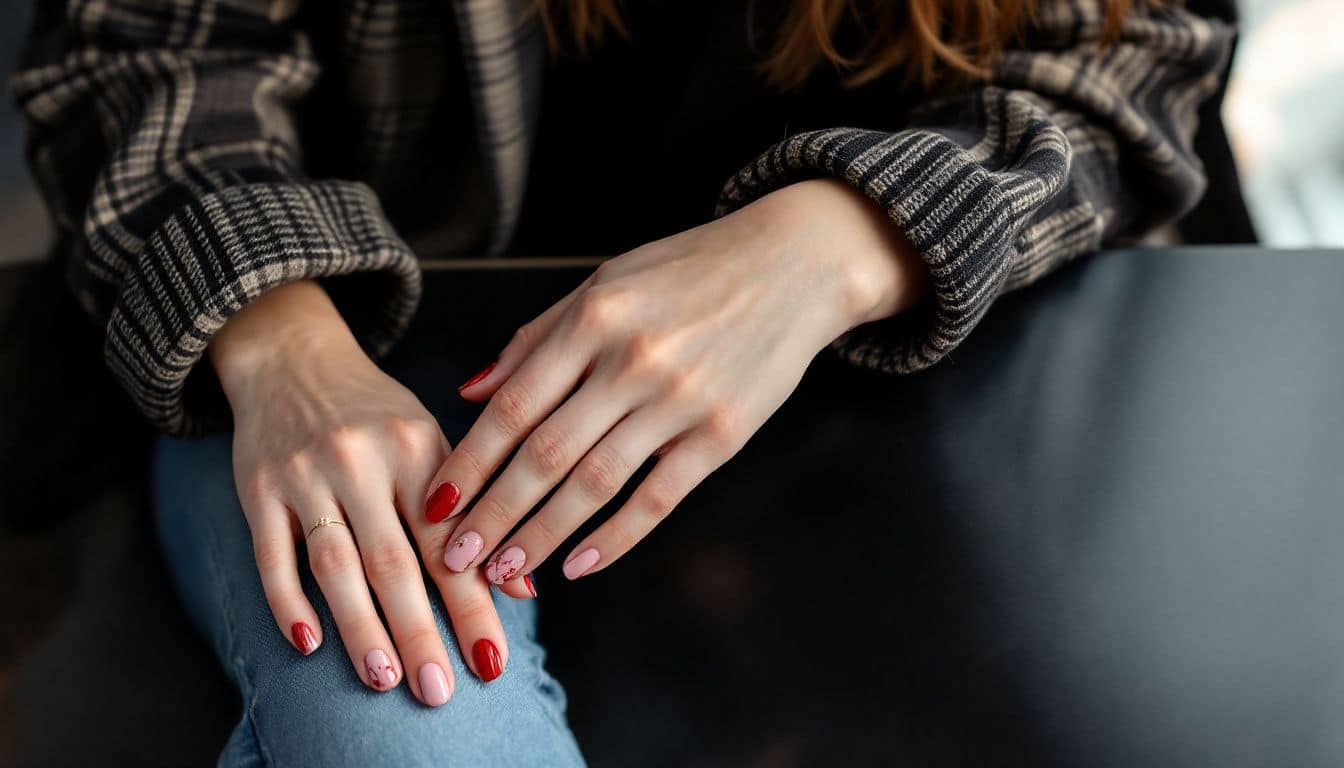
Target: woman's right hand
(321, 432)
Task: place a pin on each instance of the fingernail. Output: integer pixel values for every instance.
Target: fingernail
(505, 564)
(381, 672)
(488, 665)
(478, 377)
(581, 564)
(461, 553)
(440, 505)
(530, 583)
(304, 638)
(433, 684)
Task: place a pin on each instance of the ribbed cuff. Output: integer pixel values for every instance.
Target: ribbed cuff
(953, 210)
(224, 249)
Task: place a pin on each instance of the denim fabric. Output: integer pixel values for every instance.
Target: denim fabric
(315, 710)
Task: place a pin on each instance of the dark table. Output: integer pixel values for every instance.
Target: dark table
(1104, 532)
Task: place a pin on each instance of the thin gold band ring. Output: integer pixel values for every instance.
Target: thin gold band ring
(323, 521)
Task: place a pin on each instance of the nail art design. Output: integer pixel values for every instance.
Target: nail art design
(488, 664)
(462, 553)
(477, 377)
(381, 672)
(581, 564)
(505, 565)
(530, 583)
(440, 505)
(304, 638)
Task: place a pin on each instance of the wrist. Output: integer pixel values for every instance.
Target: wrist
(294, 321)
(881, 272)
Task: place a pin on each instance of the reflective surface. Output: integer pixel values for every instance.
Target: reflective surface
(1105, 532)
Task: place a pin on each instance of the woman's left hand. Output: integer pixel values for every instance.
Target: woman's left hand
(681, 348)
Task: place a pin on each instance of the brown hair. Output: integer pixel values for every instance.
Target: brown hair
(921, 39)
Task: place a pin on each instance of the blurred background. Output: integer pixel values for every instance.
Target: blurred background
(1284, 113)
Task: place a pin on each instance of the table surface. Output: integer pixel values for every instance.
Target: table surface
(1104, 531)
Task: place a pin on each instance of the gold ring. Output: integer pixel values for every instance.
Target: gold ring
(321, 521)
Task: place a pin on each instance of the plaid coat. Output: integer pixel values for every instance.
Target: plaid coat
(192, 158)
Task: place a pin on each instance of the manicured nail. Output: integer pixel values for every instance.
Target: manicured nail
(581, 564)
(441, 502)
(433, 684)
(530, 583)
(505, 565)
(381, 672)
(488, 665)
(475, 379)
(304, 638)
(462, 553)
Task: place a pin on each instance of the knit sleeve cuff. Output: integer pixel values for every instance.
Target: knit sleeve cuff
(953, 210)
(220, 251)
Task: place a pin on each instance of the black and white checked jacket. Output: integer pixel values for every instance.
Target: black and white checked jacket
(165, 138)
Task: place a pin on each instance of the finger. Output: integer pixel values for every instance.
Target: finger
(335, 560)
(277, 562)
(466, 597)
(679, 470)
(524, 340)
(544, 380)
(393, 569)
(597, 478)
(545, 458)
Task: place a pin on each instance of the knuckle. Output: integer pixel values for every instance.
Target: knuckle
(659, 498)
(471, 610)
(524, 335)
(602, 306)
(649, 352)
(601, 472)
(544, 533)
(496, 514)
(548, 450)
(270, 554)
(421, 637)
(390, 562)
(413, 436)
(723, 426)
(345, 447)
(623, 538)
(511, 408)
(331, 556)
(470, 461)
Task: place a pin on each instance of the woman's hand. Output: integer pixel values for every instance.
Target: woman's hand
(681, 349)
(322, 432)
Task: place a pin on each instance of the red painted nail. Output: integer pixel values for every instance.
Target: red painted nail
(478, 376)
(531, 585)
(488, 664)
(441, 502)
(304, 638)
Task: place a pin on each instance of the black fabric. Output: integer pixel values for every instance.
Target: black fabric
(683, 90)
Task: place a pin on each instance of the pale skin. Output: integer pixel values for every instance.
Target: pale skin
(679, 349)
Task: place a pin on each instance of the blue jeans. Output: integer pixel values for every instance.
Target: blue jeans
(315, 710)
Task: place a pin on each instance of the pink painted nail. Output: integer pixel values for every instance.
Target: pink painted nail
(581, 564)
(381, 672)
(505, 565)
(433, 684)
(462, 553)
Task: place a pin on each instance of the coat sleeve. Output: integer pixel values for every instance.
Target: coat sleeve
(1070, 144)
(162, 138)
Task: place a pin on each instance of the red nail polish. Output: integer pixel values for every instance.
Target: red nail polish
(304, 638)
(478, 376)
(531, 586)
(486, 655)
(441, 502)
